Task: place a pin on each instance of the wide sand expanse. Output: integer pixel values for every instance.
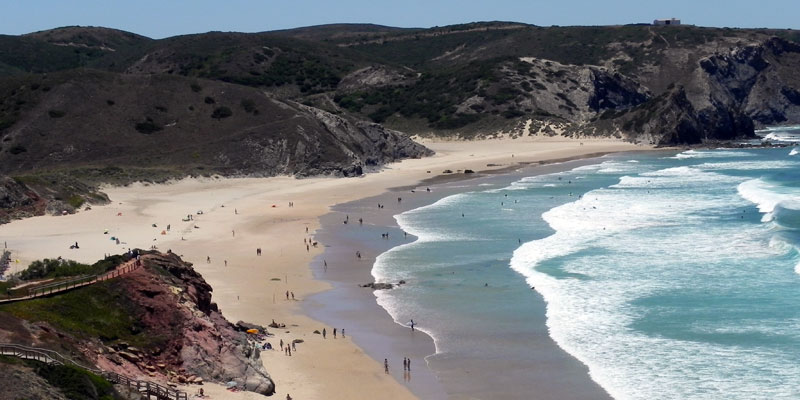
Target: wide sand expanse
(242, 214)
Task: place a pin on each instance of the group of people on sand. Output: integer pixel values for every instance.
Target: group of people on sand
(325, 333)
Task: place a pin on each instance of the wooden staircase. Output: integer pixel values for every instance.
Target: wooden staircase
(149, 389)
(77, 282)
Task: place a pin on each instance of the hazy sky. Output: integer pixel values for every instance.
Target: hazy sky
(162, 18)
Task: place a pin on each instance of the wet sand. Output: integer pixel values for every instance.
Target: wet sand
(557, 374)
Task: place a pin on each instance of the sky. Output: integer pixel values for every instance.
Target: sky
(164, 18)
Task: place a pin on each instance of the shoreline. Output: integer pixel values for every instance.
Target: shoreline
(395, 340)
(242, 214)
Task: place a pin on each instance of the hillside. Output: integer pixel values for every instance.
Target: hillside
(154, 127)
(157, 323)
(86, 105)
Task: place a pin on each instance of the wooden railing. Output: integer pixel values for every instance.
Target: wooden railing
(147, 388)
(74, 283)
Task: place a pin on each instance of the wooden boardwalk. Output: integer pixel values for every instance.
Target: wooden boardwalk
(74, 283)
(148, 389)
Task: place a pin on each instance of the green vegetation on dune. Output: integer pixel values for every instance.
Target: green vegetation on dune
(57, 268)
(436, 95)
(433, 97)
(75, 383)
(569, 45)
(99, 311)
(36, 56)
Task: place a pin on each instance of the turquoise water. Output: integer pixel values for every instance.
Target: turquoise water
(670, 276)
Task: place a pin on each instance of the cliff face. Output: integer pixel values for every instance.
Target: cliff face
(200, 342)
(168, 329)
(18, 201)
(726, 96)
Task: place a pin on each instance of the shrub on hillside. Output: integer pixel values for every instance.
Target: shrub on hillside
(148, 126)
(248, 105)
(221, 112)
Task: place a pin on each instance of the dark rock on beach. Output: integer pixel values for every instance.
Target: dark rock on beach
(378, 286)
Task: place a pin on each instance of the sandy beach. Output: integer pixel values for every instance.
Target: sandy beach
(240, 215)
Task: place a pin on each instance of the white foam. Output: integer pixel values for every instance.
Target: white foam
(786, 137)
(778, 129)
(793, 152)
(608, 167)
(766, 195)
(589, 314)
(749, 165)
(711, 154)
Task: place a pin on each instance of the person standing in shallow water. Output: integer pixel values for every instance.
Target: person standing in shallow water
(324, 332)
(386, 365)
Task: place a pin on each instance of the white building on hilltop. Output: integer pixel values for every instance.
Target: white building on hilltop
(671, 21)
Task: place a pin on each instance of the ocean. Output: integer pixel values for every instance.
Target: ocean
(670, 275)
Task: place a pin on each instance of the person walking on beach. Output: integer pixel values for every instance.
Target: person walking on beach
(282, 345)
(412, 325)
(208, 259)
(408, 364)
(325, 263)
(287, 295)
(324, 332)
(258, 251)
(226, 263)
(405, 365)
(334, 333)
(342, 332)
(292, 295)
(386, 365)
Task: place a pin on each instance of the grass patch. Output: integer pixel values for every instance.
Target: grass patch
(11, 360)
(75, 201)
(53, 268)
(101, 310)
(76, 383)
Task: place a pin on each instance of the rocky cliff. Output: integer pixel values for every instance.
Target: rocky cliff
(156, 323)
